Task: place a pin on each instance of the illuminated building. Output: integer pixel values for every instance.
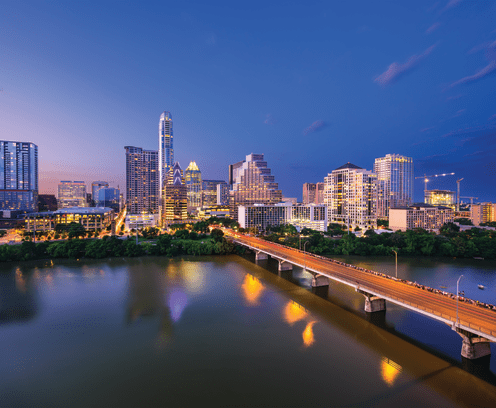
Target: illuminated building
(481, 213)
(71, 194)
(90, 218)
(175, 199)
(313, 216)
(142, 184)
(440, 197)
(313, 193)
(108, 197)
(139, 221)
(209, 191)
(351, 197)
(18, 176)
(252, 183)
(394, 183)
(193, 182)
(423, 216)
(95, 186)
(223, 193)
(165, 148)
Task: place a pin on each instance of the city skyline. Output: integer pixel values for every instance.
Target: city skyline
(309, 87)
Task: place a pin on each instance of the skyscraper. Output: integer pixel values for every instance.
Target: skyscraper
(209, 191)
(142, 181)
(165, 147)
(252, 183)
(395, 183)
(193, 181)
(95, 186)
(71, 194)
(313, 193)
(18, 176)
(351, 197)
(175, 201)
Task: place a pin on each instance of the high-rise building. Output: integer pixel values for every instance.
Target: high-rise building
(165, 147)
(223, 193)
(71, 194)
(395, 183)
(351, 197)
(142, 181)
(440, 197)
(108, 197)
(313, 193)
(175, 201)
(193, 181)
(252, 183)
(209, 191)
(18, 176)
(95, 186)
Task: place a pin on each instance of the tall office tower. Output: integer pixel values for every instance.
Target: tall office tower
(193, 181)
(351, 197)
(175, 199)
(395, 183)
(95, 186)
(313, 193)
(223, 193)
(209, 191)
(165, 147)
(108, 197)
(71, 194)
(142, 181)
(18, 176)
(252, 183)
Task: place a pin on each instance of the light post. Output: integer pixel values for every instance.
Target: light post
(304, 257)
(396, 262)
(457, 296)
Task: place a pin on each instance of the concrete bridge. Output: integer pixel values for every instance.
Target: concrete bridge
(475, 322)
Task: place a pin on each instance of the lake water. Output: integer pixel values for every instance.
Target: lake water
(216, 331)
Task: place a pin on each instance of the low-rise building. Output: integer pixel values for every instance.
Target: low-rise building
(424, 216)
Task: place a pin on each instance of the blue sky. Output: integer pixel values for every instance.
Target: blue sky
(311, 85)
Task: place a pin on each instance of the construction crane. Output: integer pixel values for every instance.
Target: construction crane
(425, 177)
(458, 194)
(471, 199)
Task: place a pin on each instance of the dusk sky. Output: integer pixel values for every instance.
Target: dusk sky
(312, 85)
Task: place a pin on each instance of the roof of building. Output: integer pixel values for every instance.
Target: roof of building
(75, 210)
(349, 166)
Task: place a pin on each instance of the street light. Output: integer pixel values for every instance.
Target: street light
(304, 258)
(396, 258)
(457, 296)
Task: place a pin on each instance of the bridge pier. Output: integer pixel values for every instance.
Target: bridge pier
(285, 266)
(319, 280)
(260, 256)
(473, 346)
(373, 303)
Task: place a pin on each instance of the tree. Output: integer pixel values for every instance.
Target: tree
(76, 230)
(463, 221)
(449, 229)
(217, 235)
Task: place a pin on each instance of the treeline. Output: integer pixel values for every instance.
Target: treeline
(450, 242)
(182, 242)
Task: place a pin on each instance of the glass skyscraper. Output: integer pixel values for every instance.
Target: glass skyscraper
(193, 181)
(394, 183)
(165, 147)
(95, 187)
(175, 200)
(18, 176)
(71, 194)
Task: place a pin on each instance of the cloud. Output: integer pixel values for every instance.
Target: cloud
(433, 28)
(396, 70)
(484, 72)
(428, 129)
(314, 127)
(493, 117)
(451, 4)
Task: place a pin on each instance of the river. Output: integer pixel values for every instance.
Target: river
(221, 331)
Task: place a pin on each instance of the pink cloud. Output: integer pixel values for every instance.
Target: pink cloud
(395, 70)
(432, 28)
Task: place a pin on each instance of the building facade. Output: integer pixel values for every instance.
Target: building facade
(351, 197)
(71, 194)
(193, 181)
(95, 187)
(18, 176)
(313, 193)
(175, 198)
(425, 216)
(394, 183)
(109, 197)
(481, 213)
(209, 191)
(440, 197)
(142, 181)
(252, 183)
(313, 216)
(223, 193)
(165, 147)
(91, 219)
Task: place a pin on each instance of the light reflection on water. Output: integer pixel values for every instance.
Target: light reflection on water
(293, 312)
(252, 289)
(389, 371)
(308, 336)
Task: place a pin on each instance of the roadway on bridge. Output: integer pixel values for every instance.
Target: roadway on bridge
(475, 317)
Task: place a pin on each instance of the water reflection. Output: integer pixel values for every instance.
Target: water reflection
(308, 337)
(294, 312)
(252, 289)
(177, 303)
(389, 371)
(16, 300)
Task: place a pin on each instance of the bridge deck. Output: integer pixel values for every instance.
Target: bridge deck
(475, 319)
